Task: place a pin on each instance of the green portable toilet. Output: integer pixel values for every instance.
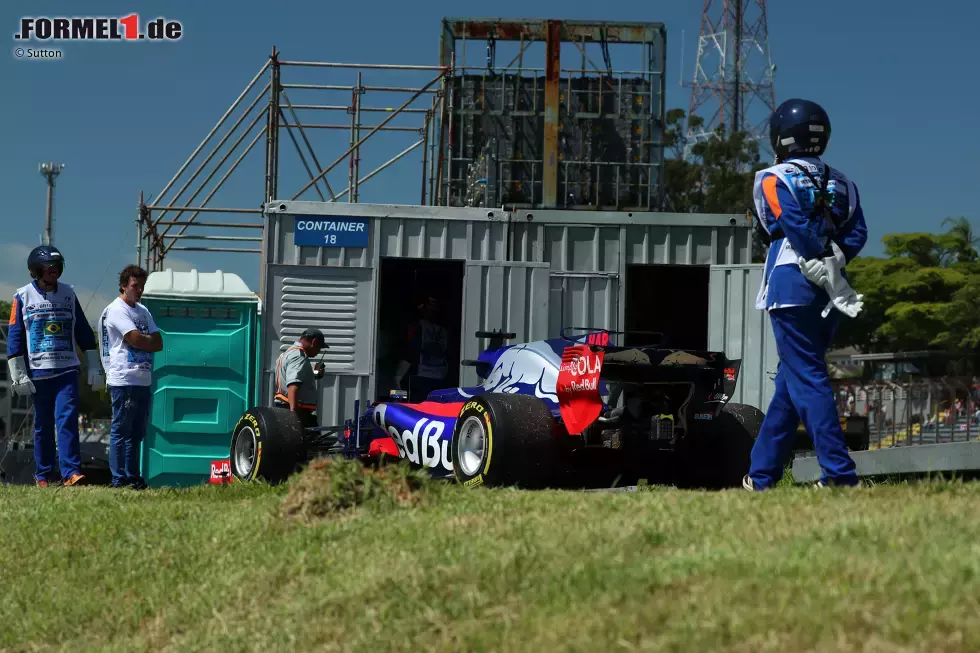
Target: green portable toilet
(206, 375)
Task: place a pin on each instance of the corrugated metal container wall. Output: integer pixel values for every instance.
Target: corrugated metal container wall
(588, 253)
(509, 296)
(406, 231)
(563, 268)
(330, 299)
(738, 328)
(336, 288)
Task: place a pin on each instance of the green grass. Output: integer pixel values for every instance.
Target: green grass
(420, 567)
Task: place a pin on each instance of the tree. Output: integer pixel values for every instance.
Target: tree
(719, 176)
(923, 295)
(960, 240)
(961, 318)
(4, 309)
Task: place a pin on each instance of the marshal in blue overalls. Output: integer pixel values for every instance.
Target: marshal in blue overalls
(46, 323)
(813, 218)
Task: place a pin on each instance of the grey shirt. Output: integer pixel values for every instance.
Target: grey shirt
(295, 367)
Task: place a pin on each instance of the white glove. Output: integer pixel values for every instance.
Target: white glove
(814, 270)
(96, 378)
(842, 296)
(20, 382)
(826, 272)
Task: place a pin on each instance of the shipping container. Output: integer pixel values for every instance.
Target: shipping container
(358, 272)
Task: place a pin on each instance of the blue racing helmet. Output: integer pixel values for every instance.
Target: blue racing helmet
(44, 256)
(799, 127)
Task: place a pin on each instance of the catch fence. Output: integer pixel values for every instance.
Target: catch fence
(913, 412)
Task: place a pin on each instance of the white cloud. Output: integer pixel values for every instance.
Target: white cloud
(15, 253)
(93, 305)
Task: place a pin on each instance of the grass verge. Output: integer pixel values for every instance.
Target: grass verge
(340, 559)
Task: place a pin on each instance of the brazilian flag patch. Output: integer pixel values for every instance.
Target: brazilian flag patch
(54, 328)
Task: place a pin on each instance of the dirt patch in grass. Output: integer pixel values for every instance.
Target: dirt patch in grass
(330, 487)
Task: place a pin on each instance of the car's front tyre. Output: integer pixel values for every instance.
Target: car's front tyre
(267, 444)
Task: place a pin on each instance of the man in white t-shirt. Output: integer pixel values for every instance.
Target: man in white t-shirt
(128, 337)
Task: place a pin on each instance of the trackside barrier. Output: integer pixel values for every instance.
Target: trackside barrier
(916, 412)
(916, 427)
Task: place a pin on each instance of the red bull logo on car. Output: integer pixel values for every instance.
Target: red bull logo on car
(421, 438)
(524, 369)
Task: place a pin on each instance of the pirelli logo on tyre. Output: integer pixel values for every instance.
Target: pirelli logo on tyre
(254, 424)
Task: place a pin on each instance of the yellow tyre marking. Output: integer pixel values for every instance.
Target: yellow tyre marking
(486, 418)
(258, 444)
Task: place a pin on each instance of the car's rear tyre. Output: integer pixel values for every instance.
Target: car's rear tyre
(267, 444)
(718, 456)
(503, 439)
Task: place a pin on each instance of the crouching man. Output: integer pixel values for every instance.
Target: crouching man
(129, 339)
(296, 377)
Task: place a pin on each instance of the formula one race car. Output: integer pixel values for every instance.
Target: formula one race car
(573, 409)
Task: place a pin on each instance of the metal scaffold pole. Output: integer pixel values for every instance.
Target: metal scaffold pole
(272, 131)
(139, 231)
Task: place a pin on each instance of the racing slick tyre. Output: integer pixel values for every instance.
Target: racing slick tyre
(267, 444)
(718, 457)
(504, 439)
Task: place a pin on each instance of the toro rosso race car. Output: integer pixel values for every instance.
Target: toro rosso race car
(573, 409)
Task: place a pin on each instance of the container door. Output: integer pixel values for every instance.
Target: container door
(740, 330)
(508, 296)
(339, 302)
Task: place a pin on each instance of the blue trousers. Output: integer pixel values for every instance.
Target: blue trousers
(130, 410)
(56, 408)
(803, 393)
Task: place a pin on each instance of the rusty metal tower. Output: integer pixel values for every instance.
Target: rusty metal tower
(733, 75)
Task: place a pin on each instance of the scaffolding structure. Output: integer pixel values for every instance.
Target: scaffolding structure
(576, 138)
(164, 226)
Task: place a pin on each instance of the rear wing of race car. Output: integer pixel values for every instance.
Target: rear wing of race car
(714, 375)
(638, 362)
(709, 371)
(590, 362)
(603, 337)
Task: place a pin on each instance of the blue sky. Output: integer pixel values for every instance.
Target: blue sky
(123, 117)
